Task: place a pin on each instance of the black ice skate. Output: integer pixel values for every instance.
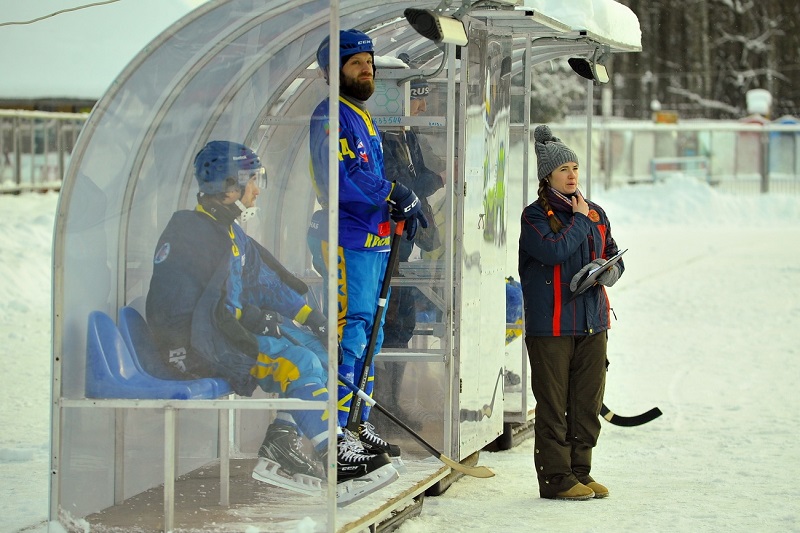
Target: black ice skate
(357, 472)
(282, 462)
(373, 443)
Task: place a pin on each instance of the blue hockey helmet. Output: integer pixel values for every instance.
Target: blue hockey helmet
(222, 165)
(351, 42)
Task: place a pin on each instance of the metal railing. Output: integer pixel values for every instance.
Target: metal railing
(35, 147)
(739, 157)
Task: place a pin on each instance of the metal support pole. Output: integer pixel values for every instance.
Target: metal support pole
(224, 458)
(17, 144)
(589, 112)
(765, 162)
(169, 469)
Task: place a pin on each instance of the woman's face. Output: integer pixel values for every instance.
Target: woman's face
(564, 179)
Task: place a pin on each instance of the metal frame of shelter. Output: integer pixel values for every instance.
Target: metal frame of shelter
(244, 70)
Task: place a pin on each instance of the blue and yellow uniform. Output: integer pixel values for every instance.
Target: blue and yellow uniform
(204, 272)
(364, 231)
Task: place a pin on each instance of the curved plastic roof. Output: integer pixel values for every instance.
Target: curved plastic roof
(232, 69)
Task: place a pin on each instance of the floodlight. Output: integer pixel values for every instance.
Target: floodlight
(589, 69)
(437, 28)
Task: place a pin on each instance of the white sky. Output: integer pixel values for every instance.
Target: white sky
(707, 312)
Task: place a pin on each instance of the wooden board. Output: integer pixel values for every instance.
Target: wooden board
(257, 506)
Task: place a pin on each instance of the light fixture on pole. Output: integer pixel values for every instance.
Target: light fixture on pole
(591, 70)
(438, 28)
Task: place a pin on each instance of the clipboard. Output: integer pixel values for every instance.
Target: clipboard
(590, 277)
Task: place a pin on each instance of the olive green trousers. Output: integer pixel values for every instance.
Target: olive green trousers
(568, 376)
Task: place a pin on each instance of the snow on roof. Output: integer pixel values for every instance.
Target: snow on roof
(605, 18)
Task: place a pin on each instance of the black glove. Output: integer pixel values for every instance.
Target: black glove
(264, 322)
(318, 324)
(406, 206)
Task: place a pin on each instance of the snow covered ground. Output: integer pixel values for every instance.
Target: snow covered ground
(708, 312)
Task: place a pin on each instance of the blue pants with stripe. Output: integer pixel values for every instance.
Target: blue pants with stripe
(360, 275)
(294, 368)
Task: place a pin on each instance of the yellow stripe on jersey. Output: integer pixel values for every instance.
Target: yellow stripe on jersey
(365, 116)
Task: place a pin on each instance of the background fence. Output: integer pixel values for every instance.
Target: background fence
(736, 156)
(35, 147)
(740, 157)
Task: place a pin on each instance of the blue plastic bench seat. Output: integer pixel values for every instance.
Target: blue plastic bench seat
(143, 349)
(112, 372)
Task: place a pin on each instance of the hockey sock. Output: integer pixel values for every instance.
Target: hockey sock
(285, 418)
(365, 408)
(313, 424)
(345, 394)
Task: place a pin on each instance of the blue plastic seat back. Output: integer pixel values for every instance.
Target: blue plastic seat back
(112, 373)
(145, 353)
(141, 343)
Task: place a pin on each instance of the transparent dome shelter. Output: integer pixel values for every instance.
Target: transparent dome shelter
(132, 453)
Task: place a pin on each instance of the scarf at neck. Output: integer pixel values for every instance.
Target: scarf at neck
(558, 201)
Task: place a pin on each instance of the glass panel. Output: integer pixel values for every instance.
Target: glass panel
(214, 77)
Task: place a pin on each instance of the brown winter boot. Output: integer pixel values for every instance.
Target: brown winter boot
(577, 493)
(600, 491)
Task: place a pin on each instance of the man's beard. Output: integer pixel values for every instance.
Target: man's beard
(361, 90)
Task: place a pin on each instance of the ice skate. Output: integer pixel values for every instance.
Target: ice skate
(281, 462)
(373, 443)
(358, 472)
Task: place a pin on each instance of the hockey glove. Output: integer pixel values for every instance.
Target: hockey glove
(264, 322)
(406, 206)
(318, 324)
(609, 277)
(583, 272)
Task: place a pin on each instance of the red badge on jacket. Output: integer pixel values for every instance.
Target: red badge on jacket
(594, 216)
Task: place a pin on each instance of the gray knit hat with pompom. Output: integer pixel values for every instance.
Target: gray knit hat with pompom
(551, 153)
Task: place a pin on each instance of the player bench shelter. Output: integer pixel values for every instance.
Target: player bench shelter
(244, 70)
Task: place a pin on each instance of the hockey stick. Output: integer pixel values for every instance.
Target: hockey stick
(479, 414)
(354, 418)
(629, 421)
(474, 471)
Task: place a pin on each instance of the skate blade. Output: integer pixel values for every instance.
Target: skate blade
(268, 471)
(353, 490)
(399, 465)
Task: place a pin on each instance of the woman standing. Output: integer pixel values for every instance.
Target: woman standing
(562, 237)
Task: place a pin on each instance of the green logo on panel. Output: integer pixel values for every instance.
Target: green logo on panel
(388, 98)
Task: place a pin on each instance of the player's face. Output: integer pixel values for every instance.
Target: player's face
(251, 192)
(418, 106)
(564, 179)
(247, 195)
(357, 76)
